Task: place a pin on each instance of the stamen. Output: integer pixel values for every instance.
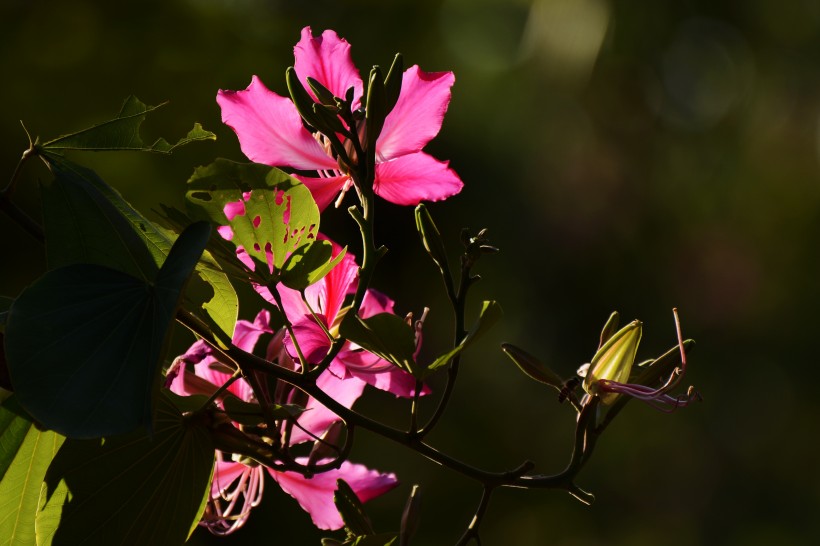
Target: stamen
(347, 185)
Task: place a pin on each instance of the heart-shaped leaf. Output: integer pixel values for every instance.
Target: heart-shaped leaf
(84, 342)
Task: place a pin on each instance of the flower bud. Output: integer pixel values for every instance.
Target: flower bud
(613, 361)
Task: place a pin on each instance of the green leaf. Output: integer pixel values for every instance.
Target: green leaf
(351, 509)
(532, 367)
(490, 314)
(385, 335)
(309, 263)
(88, 221)
(137, 489)
(25, 453)
(83, 226)
(112, 325)
(280, 215)
(122, 133)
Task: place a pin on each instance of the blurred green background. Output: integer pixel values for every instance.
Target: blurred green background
(624, 155)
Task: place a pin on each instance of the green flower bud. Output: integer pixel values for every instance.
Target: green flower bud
(613, 361)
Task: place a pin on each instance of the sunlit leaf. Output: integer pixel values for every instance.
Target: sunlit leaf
(25, 453)
(137, 489)
(122, 133)
(309, 263)
(280, 215)
(84, 342)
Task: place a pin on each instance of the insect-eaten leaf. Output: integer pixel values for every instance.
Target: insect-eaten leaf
(84, 342)
(271, 214)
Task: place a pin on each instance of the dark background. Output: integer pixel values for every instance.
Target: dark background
(624, 155)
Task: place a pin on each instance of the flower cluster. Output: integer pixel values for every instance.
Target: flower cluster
(271, 131)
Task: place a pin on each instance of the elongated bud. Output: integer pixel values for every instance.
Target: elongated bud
(375, 109)
(431, 238)
(411, 517)
(613, 361)
(392, 82)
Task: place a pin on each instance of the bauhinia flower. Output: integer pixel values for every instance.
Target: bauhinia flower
(607, 375)
(238, 482)
(321, 312)
(270, 129)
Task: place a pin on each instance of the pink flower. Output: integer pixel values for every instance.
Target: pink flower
(326, 298)
(238, 483)
(270, 129)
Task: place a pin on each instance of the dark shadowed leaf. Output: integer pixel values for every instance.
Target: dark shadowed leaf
(137, 489)
(122, 133)
(351, 509)
(533, 367)
(88, 221)
(490, 314)
(385, 335)
(84, 342)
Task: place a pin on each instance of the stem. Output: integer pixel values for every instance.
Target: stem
(452, 372)
(472, 529)
(278, 299)
(13, 211)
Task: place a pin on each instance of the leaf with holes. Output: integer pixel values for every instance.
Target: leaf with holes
(136, 489)
(271, 214)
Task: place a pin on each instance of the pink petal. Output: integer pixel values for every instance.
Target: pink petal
(315, 495)
(270, 130)
(327, 60)
(418, 114)
(246, 334)
(395, 381)
(417, 177)
(312, 339)
(324, 190)
(374, 303)
(317, 418)
(225, 473)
